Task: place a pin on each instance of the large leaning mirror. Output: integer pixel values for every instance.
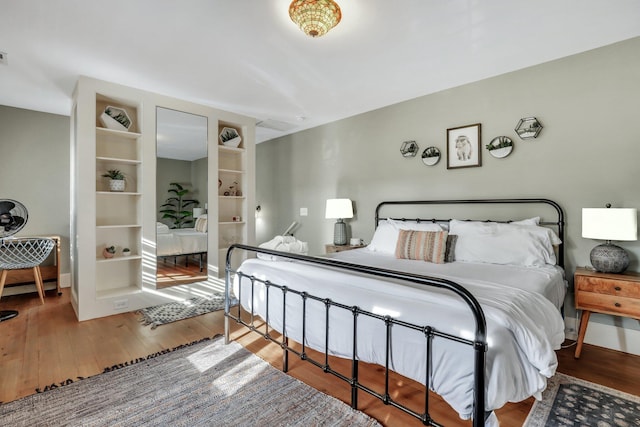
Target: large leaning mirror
(181, 197)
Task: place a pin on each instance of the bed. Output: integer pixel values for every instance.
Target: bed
(480, 330)
(185, 242)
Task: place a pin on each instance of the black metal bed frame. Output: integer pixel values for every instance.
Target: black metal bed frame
(479, 343)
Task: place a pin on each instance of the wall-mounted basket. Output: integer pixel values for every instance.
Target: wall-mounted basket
(230, 137)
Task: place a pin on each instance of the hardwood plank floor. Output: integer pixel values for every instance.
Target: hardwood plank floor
(45, 345)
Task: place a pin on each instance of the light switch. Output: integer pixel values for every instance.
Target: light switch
(304, 212)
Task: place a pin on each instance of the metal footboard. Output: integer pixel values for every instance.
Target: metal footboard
(479, 343)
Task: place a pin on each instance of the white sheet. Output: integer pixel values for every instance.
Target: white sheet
(524, 326)
(181, 241)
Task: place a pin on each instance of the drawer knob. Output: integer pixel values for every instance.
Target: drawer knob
(618, 304)
(617, 288)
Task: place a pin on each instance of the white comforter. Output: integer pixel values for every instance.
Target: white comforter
(181, 241)
(523, 326)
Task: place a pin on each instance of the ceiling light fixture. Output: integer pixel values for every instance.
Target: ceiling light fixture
(315, 17)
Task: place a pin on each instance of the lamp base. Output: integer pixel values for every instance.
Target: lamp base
(340, 233)
(609, 258)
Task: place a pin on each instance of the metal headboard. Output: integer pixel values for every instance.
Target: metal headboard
(558, 223)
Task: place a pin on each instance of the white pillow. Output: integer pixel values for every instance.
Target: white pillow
(498, 243)
(385, 238)
(201, 224)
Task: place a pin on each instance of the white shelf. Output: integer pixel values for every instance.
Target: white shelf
(118, 133)
(231, 171)
(119, 160)
(117, 193)
(232, 197)
(231, 222)
(119, 258)
(119, 226)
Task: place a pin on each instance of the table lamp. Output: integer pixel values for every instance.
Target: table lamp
(609, 224)
(339, 209)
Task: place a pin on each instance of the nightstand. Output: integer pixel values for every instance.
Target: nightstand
(615, 294)
(332, 249)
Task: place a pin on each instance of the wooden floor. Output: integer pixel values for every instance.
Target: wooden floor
(45, 344)
(172, 272)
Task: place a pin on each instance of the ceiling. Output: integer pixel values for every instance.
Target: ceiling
(246, 56)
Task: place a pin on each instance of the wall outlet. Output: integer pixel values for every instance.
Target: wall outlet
(304, 212)
(120, 304)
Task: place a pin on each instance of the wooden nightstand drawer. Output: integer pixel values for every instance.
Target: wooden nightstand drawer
(608, 304)
(599, 285)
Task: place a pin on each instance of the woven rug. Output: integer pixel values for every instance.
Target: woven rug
(570, 401)
(179, 310)
(205, 384)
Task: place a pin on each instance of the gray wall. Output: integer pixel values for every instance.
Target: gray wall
(587, 154)
(34, 169)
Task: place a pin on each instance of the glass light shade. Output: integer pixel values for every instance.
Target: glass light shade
(620, 224)
(339, 208)
(315, 17)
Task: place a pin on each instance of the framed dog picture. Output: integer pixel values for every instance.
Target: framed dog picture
(463, 147)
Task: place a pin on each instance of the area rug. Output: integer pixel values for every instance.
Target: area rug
(205, 384)
(179, 310)
(570, 401)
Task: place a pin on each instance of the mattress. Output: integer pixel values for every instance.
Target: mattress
(521, 305)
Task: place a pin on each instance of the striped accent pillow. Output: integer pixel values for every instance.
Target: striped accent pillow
(422, 245)
(201, 225)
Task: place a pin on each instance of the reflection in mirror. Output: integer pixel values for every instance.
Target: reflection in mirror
(181, 197)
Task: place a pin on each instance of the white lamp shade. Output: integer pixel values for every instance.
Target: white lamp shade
(610, 224)
(339, 208)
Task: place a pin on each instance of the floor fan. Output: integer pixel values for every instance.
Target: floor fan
(13, 218)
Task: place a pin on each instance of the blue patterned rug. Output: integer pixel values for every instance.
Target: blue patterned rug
(570, 401)
(179, 310)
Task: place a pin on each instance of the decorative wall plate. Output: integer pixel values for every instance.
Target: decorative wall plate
(430, 156)
(528, 127)
(409, 149)
(500, 146)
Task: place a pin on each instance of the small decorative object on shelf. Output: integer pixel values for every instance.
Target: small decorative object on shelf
(230, 137)
(236, 218)
(116, 179)
(115, 118)
(409, 149)
(109, 251)
(430, 156)
(126, 252)
(233, 190)
(528, 127)
(500, 146)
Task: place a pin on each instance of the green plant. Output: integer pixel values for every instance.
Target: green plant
(111, 249)
(502, 144)
(175, 206)
(114, 174)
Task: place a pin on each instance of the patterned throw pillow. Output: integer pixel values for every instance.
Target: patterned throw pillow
(422, 245)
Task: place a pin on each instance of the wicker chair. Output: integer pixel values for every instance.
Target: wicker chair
(17, 253)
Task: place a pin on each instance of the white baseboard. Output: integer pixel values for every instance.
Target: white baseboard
(608, 336)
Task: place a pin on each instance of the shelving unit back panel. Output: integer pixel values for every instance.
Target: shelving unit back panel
(125, 274)
(117, 210)
(111, 145)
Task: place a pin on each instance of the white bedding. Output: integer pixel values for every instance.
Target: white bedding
(181, 241)
(524, 325)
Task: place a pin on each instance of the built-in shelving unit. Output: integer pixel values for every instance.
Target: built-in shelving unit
(127, 219)
(232, 200)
